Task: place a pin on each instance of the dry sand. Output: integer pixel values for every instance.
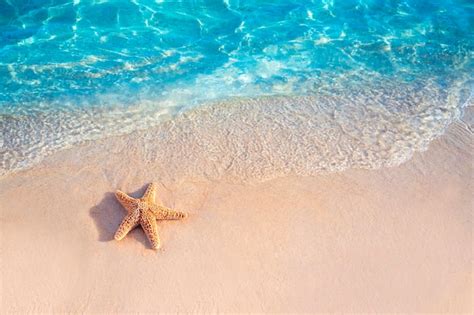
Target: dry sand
(391, 240)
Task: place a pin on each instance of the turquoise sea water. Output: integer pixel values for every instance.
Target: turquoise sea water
(78, 70)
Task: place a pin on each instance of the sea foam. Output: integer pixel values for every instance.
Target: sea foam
(359, 126)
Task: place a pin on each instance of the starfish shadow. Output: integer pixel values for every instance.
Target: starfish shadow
(109, 213)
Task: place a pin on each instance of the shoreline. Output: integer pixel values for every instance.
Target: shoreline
(260, 138)
(333, 130)
(395, 239)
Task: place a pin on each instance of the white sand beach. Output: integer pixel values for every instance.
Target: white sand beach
(396, 239)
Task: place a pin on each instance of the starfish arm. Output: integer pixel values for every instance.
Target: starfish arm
(127, 202)
(148, 223)
(164, 213)
(150, 193)
(128, 223)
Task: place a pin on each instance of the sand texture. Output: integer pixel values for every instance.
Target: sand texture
(390, 240)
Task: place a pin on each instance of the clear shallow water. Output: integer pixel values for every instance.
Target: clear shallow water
(82, 70)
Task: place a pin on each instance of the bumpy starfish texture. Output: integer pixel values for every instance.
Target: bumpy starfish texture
(144, 211)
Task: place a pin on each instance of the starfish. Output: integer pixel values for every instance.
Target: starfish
(144, 211)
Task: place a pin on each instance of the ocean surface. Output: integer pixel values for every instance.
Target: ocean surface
(291, 87)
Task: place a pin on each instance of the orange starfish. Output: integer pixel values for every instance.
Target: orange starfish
(144, 211)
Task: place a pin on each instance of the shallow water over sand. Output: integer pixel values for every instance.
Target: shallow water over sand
(263, 138)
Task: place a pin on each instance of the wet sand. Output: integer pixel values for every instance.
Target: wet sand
(390, 240)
